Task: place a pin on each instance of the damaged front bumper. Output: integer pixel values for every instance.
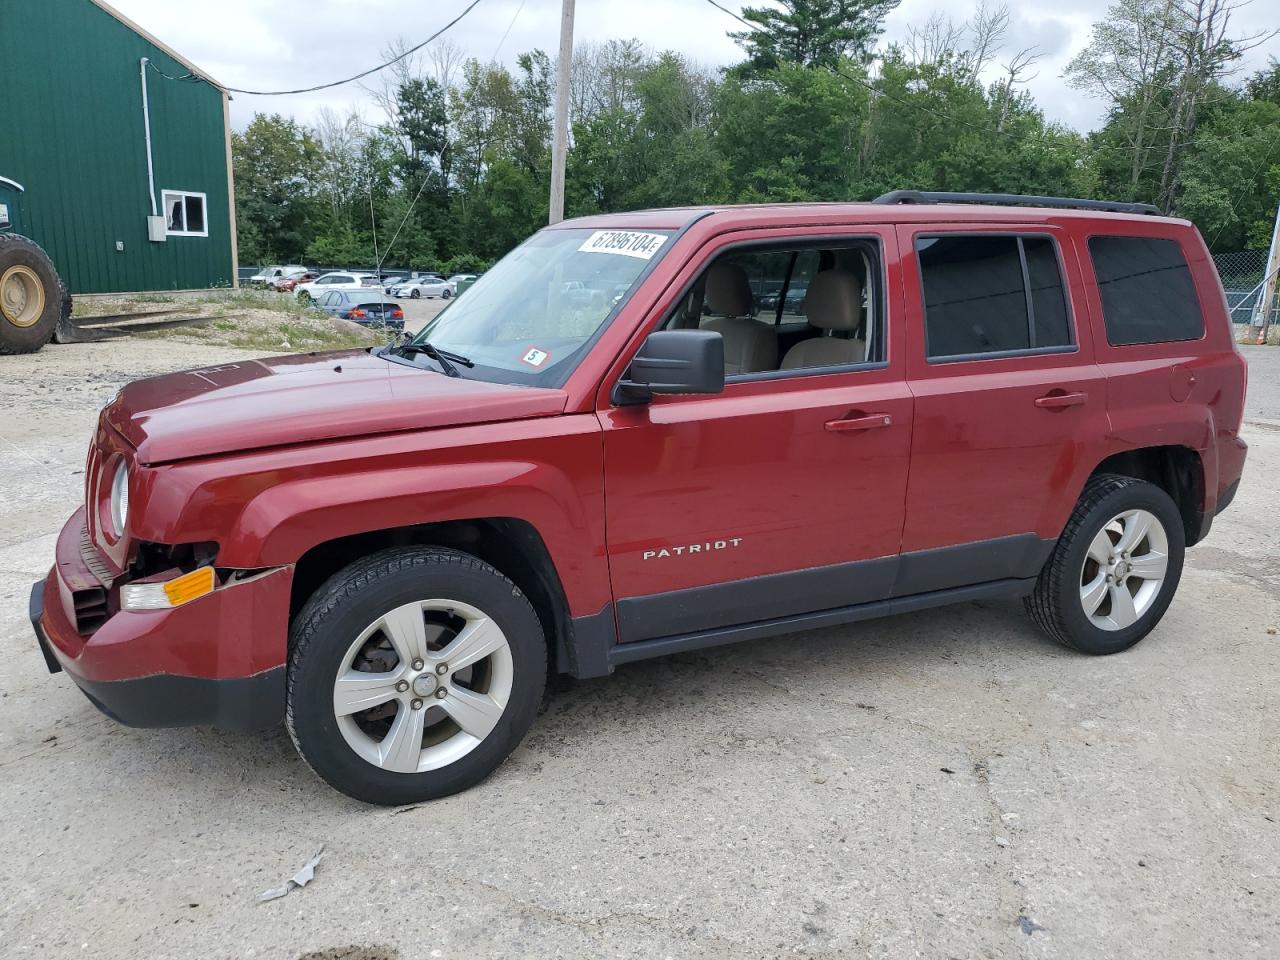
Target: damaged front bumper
(218, 660)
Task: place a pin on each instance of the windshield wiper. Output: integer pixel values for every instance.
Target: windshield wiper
(445, 358)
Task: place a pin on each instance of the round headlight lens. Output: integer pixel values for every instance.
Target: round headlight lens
(120, 499)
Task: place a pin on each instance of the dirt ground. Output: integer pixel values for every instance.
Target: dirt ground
(942, 784)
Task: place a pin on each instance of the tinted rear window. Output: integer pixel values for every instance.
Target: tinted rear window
(979, 300)
(1146, 290)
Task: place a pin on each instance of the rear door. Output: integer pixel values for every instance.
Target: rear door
(782, 495)
(1010, 405)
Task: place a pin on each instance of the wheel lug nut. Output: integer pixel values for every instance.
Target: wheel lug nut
(441, 693)
(402, 686)
(417, 664)
(416, 704)
(442, 668)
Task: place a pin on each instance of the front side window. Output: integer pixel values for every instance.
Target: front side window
(1147, 292)
(532, 317)
(790, 308)
(991, 295)
(185, 214)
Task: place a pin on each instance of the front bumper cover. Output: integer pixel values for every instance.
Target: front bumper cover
(218, 660)
(164, 700)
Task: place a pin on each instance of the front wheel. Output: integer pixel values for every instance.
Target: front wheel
(415, 295)
(413, 673)
(1114, 570)
(445, 295)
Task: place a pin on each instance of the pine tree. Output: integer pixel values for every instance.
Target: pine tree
(813, 32)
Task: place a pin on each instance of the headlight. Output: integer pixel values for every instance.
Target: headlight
(120, 499)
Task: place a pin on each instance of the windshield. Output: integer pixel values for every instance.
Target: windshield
(530, 318)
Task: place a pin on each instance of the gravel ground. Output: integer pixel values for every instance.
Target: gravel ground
(943, 784)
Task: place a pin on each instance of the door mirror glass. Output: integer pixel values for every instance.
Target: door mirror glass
(674, 361)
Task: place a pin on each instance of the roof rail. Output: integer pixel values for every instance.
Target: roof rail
(1016, 200)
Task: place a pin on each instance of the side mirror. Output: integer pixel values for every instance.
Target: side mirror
(674, 361)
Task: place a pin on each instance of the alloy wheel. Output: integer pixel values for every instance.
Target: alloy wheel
(423, 685)
(1124, 569)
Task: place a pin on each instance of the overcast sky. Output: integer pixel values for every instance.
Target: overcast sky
(285, 44)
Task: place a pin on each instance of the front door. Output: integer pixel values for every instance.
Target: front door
(783, 494)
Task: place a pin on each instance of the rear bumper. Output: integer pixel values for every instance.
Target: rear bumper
(218, 660)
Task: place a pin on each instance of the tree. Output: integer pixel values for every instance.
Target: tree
(277, 164)
(812, 32)
(1157, 64)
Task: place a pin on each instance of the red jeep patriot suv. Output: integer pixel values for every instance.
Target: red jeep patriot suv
(762, 419)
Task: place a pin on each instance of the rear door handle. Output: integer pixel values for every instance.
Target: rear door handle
(871, 421)
(1057, 401)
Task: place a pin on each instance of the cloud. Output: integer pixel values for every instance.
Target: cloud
(297, 43)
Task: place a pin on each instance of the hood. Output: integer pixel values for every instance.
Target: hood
(251, 404)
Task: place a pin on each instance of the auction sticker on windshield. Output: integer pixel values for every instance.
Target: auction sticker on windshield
(535, 357)
(628, 243)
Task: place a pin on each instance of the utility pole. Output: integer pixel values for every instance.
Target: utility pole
(560, 127)
(1267, 298)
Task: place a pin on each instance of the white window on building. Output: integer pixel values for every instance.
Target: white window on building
(184, 214)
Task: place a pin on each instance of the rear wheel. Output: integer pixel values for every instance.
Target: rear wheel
(413, 674)
(1115, 568)
(32, 297)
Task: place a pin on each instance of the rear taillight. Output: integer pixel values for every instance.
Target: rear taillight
(397, 314)
(357, 314)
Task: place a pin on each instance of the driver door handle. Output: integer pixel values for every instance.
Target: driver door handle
(871, 421)
(1056, 401)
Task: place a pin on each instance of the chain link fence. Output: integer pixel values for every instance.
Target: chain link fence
(1242, 274)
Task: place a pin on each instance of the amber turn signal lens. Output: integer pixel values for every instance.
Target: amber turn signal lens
(190, 586)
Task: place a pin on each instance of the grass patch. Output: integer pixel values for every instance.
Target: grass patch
(264, 321)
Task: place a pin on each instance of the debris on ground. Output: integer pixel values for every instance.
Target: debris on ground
(1029, 926)
(299, 879)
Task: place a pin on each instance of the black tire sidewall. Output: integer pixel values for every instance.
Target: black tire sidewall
(415, 294)
(1135, 495)
(313, 670)
(16, 250)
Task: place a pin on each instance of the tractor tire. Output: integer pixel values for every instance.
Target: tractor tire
(32, 298)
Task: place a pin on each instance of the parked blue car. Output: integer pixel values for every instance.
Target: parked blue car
(364, 307)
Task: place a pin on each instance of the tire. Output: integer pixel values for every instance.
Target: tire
(445, 295)
(1110, 514)
(304, 297)
(32, 298)
(358, 751)
(415, 294)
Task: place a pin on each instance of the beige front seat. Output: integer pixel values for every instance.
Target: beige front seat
(832, 303)
(749, 345)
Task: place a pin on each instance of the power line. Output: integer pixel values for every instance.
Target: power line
(514, 16)
(364, 73)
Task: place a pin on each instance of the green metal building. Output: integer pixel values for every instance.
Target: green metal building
(115, 152)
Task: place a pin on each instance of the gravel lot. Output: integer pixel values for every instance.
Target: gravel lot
(943, 784)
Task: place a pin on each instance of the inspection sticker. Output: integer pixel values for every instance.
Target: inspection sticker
(536, 357)
(628, 243)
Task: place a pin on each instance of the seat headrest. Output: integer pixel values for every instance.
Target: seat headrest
(834, 300)
(728, 290)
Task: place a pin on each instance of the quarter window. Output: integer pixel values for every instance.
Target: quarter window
(989, 295)
(185, 214)
(1146, 290)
